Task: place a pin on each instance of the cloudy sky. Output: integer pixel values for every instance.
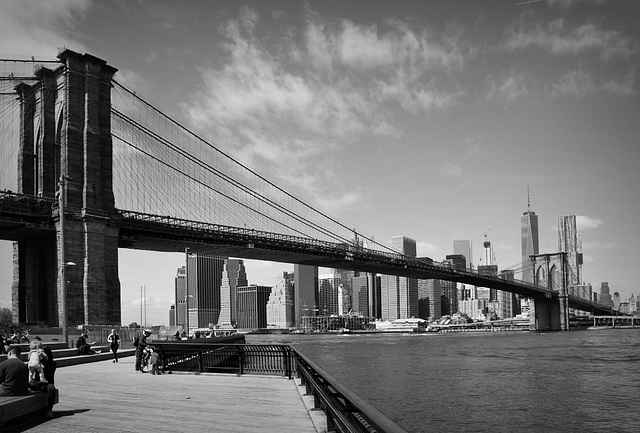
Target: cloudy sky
(426, 119)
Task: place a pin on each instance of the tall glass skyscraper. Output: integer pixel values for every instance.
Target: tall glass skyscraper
(400, 294)
(529, 236)
(305, 291)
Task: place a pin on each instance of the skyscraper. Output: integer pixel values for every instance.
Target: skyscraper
(180, 310)
(529, 237)
(252, 306)
(400, 294)
(204, 278)
(233, 275)
(464, 247)
(305, 291)
(568, 243)
(280, 304)
(329, 294)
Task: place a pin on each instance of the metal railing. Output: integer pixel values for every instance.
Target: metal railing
(268, 359)
(345, 411)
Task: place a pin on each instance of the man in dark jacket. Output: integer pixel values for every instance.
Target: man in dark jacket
(142, 343)
(14, 374)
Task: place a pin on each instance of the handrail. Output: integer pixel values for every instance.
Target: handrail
(346, 411)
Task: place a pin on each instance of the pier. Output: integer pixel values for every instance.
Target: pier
(108, 397)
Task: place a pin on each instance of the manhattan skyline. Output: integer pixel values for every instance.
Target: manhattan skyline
(424, 119)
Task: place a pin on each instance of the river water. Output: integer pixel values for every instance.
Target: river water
(578, 381)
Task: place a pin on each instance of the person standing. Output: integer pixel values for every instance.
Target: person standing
(14, 374)
(114, 344)
(140, 346)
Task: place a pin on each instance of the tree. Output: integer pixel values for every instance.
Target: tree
(134, 325)
(6, 318)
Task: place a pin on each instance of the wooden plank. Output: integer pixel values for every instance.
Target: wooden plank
(110, 397)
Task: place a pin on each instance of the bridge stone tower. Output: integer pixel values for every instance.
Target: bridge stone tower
(66, 152)
(550, 271)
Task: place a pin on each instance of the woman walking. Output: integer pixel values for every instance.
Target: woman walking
(114, 344)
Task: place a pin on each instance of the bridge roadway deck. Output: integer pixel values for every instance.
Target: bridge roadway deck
(107, 397)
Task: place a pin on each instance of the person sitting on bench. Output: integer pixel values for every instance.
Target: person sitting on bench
(14, 374)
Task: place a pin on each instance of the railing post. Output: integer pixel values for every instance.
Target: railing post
(241, 361)
(200, 361)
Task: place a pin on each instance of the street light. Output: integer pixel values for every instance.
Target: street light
(62, 185)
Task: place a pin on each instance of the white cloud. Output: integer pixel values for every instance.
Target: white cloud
(301, 102)
(509, 86)
(451, 170)
(584, 222)
(36, 28)
(425, 248)
(558, 39)
(575, 83)
(624, 88)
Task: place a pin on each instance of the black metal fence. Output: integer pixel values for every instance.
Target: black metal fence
(268, 359)
(346, 412)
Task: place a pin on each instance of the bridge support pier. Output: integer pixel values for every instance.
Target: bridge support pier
(66, 134)
(549, 314)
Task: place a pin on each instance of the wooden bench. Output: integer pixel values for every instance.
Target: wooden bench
(16, 406)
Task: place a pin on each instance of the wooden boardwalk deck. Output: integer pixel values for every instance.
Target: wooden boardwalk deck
(107, 397)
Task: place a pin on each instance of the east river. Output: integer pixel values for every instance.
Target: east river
(579, 381)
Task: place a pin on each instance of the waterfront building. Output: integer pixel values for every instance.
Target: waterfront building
(180, 298)
(616, 300)
(360, 286)
(252, 306)
(329, 294)
(233, 275)
(429, 296)
(400, 294)
(605, 295)
(529, 240)
(473, 308)
(375, 295)
(305, 291)
(568, 242)
(172, 316)
(280, 312)
(346, 296)
(508, 303)
(464, 248)
(204, 280)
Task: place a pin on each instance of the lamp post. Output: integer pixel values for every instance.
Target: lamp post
(62, 191)
(186, 291)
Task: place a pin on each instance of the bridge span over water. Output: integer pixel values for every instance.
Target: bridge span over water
(100, 169)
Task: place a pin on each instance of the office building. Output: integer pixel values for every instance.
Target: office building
(305, 291)
(233, 275)
(280, 312)
(464, 248)
(329, 291)
(204, 279)
(400, 294)
(568, 242)
(605, 294)
(360, 295)
(251, 306)
(180, 299)
(172, 316)
(529, 241)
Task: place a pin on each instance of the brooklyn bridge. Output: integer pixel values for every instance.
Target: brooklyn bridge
(98, 169)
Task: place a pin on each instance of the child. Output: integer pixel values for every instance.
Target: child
(153, 361)
(36, 356)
